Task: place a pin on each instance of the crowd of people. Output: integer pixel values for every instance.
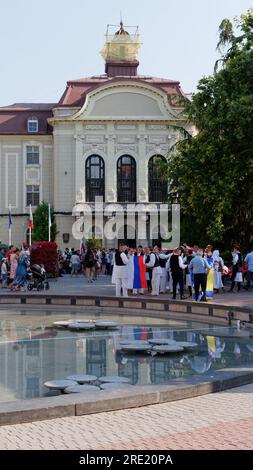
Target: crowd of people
(200, 272)
(14, 266)
(185, 271)
(89, 262)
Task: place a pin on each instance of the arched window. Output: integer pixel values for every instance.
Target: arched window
(157, 187)
(32, 124)
(126, 179)
(94, 177)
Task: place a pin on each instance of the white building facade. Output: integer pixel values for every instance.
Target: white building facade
(104, 138)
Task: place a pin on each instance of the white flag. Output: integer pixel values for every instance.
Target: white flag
(49, 216)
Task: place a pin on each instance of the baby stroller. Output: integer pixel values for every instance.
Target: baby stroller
(37, 278)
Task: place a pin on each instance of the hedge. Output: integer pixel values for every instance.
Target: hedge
(45, 253)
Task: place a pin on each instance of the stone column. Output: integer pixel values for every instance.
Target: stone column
(142, 166)
(79, 161)
(110, 166)
(142, 172)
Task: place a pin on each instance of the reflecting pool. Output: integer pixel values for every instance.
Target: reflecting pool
(32, 351)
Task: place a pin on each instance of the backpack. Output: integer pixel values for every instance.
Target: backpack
(89, 257)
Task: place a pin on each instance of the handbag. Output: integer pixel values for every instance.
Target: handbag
(238, 277)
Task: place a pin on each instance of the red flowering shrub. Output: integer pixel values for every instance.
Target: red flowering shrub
(45, 253)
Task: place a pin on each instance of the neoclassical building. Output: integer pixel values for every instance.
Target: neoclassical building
(104, 137)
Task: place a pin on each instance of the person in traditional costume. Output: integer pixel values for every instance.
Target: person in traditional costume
(147, 253)
(177, 269)
(218, 265)
(236, 273)
(156, 270)
(121, 271)
(130, 266)
(169, 273)
(139, 281)
(164, 274)
(210, 275)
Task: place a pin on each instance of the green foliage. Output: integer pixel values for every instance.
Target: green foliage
(227, 257)
(93, 243)
(213, 172)
(40, 221)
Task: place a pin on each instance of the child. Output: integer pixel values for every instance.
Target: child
(4, 273)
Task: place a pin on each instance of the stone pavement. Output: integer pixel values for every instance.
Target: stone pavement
(218, 421)
(104, 287)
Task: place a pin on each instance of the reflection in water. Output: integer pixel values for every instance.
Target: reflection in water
(30, 355)
(96, 357)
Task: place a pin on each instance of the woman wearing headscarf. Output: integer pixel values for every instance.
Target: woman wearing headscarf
(218, 265)
(21, 274)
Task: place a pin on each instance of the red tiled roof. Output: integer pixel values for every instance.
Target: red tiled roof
(29, 106)
(76, 90)
(13, 118)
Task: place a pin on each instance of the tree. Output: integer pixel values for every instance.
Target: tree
(212, 173)
(40, 221)
(93, 243)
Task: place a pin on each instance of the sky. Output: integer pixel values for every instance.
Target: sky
(45, 43)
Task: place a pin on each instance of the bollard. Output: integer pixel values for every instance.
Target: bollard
(230, 317)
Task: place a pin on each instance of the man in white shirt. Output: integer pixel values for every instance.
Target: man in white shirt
(120, 271)
(164, 275)
(156, 270)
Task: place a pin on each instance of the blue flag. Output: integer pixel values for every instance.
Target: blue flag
(10, 218)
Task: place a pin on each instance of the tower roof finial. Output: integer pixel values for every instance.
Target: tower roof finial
(121, 31)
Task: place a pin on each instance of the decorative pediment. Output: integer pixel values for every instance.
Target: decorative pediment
(126, 101)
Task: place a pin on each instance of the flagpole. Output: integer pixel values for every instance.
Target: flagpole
(10, 224)
(30, 227)
(9, 236)
(49, 223)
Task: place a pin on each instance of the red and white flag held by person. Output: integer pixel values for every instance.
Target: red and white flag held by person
(81, 248)
(30, 221)
(30, 224)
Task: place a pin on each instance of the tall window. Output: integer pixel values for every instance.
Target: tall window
(157, 186)
(32, 124)
(32, 195)
(32, 155)
(126, 179)
(94, 177)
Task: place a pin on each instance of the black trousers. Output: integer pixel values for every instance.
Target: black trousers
(249, 278)
(178, 278)
(234, 272)
(199, 280)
